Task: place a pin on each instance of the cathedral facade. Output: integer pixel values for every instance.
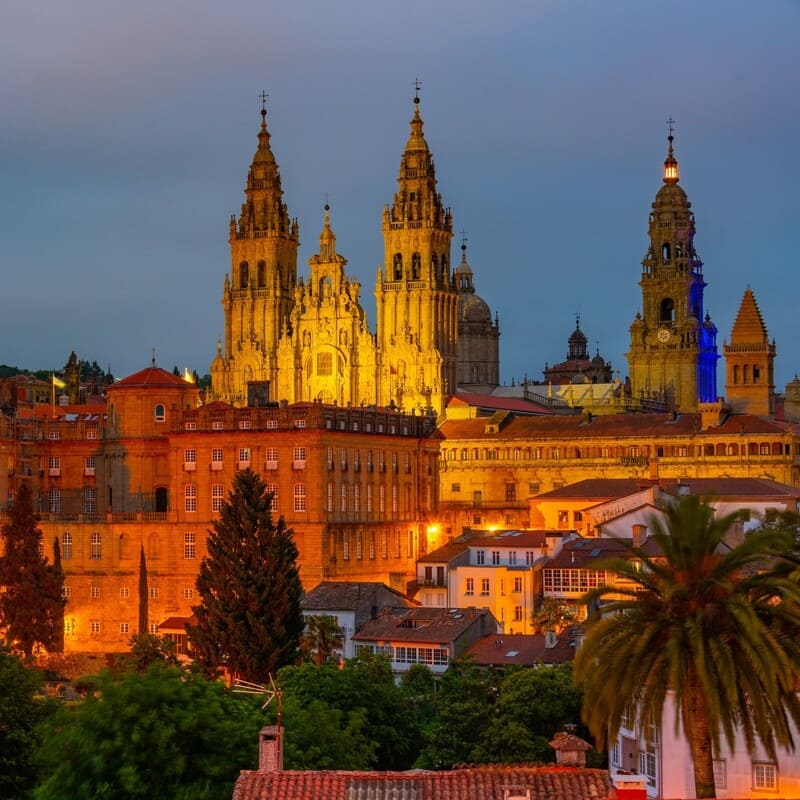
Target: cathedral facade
(295, 340)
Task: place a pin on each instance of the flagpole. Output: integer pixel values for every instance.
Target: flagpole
(53, 391)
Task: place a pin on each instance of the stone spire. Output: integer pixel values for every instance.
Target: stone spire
(670, 164)
(749, 327)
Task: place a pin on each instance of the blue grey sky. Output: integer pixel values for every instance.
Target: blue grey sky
(128, 127)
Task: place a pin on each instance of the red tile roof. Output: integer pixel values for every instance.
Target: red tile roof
(487, 782)
(516, 539)
(349, 596)
(446, 553)
(579, 553)
(492, 402)
(422, 624)
(151, 376)
(522, 650)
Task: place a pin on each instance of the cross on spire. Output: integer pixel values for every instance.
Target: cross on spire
(671, 125)
(417, 86)
(464, 239)
(263, 95)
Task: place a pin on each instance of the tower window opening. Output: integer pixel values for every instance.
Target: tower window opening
(756, 373)
(325, 288)
(665, 252)
(416, 266)
(444, 268)
(398, 266)
(244, 274)
(736, 373)
(667, 310)
(262, 274)
(745, 374)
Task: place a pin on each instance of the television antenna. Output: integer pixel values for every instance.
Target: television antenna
(270, 692)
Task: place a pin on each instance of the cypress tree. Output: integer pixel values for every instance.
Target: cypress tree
(58, 638)
(31, 603)
(249, 618)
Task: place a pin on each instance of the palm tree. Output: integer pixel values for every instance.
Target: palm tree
(717, 626)
(321, 637)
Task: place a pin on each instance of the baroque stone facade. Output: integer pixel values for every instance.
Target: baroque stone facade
(286, 339)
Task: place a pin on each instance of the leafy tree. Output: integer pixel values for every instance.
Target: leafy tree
(20, 713)
(147, 649)
(463, 708)
(249, 618)
(532, 706)
(716, 626)
(31, 605)
(553, 614)
(320, 737)
(163, 733)
(364, 685)
(322, 636)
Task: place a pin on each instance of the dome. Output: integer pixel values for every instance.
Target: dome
(578, 337)
(671, 195)
(472, 308)
(598, 361)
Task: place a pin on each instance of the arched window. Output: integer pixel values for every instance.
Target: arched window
(756, 373)
(159, 413)
(736, 373)
(416, 266)
(444, 269)
(262, 274)
(397, 263)
(665, 252)
(666, 310)
(244, 275)
(745, 374)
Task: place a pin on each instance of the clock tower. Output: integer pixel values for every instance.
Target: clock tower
(673, 352)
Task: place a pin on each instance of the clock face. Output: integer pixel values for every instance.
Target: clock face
(663, 335)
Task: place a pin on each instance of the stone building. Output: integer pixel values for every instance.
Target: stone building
(673, 353)
(578, 367)
(295, 340)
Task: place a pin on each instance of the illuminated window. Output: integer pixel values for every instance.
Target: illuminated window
(189, 546)
(124, 592)
(55, 501)
(331, 488)
(470, 587)
(217, 497)
(66, 545)
(299, 497)
(89, 500)
(484, 586)
(154, 593)
(96, 546)
(94, 592)
(369, 498)
(381, 499)
(124, 627)
(272, 489)
(94, 626)
(188, 593)
(190, 497)
(394, 499)
(66, 592)
(765, 776)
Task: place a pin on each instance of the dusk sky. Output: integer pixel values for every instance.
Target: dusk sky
(128, 128)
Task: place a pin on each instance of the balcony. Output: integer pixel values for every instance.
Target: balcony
(243, 465)
(189, 466)
(216, 466)
(270, 465)
(54, 472)
(299, 464)
(356, 466)
(89, 472)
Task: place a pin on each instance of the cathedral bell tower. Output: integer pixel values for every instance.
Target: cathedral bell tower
(416, 296)
(258, 293)
(673, 352)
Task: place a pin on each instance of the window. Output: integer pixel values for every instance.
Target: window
(217, 424)
(495, 557)
(470, 589)
(190, 425)
(765, 776)
(518, 584)
(299, 497)
(66, 592)
(343, 506)
(329, 506)
(299, 458)
(272, 488)
(512, 558)
(89, 500)
(55, 501)
(154, 593)
(66, 545)
(189, 546)
(217, 497)
(94, 592)
(357, 498)
(484, 586)
(244, 457)
(394, 499)
(91, 431)
(244, 424)
(89, 466)
(190, 459)
(480, 557)
(153, 628)
(216, 458)
(124, 592)
(271, 458)
(720, 773)
(124, 627)
(563, 519)
(455, 487)
(190, 497)
(369, 498)
(511, 492)
(188, 593)
(272, 424)
(299, 423)
(534, 487)
(359, 545)
(530, 558)
(54, 466)
(517, 613)
(94, 626)
(159, 413)
(96, 546)
(381, 498)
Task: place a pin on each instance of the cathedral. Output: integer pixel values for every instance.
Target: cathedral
(299, 340)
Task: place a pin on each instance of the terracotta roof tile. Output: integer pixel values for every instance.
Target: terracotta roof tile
(420, 624)
(151, 376)
(486, 782)
(522, 650)
(348, 595)
(499, 403)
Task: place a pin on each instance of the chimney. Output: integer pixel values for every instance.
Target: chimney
(639, 534)
(270, 749)
(570, 749)
(550, 639)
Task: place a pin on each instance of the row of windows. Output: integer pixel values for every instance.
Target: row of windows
(125, 592)
(409, 655)
(349, 498)
(619, 451)
(469, 586)
(356, 541)
(96, 547)
(218, 497)
(244, 457)
(573, 580)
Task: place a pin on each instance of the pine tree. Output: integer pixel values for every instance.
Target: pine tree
(31, 603)
(249, 619)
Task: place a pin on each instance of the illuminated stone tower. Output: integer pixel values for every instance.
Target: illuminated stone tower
(258, 293)
(673, 353)
(416, 296)
(749, 362)
(329, 355)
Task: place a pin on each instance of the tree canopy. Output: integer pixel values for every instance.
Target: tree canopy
(249, 618)
(715, 625)
(322, 637)
(163, 733)
(31, 605)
